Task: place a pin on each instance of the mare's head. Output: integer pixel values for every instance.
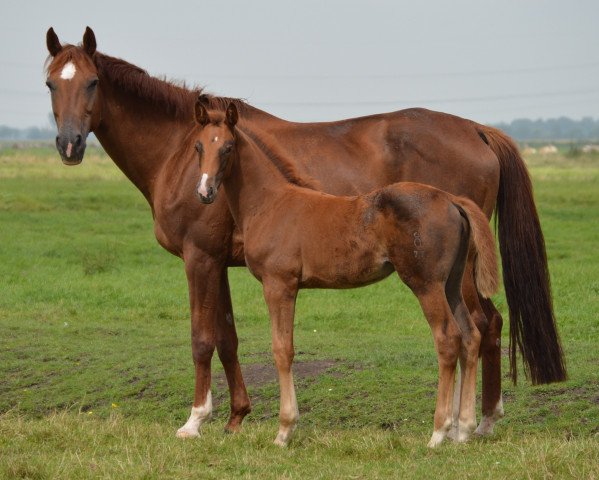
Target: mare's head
(73, 83)
(215, 144)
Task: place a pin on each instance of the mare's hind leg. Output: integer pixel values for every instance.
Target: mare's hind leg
(446, 335)
(280, 297)
(492, 407)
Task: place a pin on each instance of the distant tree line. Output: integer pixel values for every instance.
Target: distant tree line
(31, 133)
(562, 128)
(522, 129)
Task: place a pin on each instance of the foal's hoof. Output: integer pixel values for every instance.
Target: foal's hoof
(282, 440)
(187, 433)
(436, 439)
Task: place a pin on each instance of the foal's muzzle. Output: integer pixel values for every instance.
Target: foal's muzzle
(209, 196)
(71, 146)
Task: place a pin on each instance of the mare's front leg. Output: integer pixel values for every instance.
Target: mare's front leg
(280, 297)
(226, 346)
(205, 275)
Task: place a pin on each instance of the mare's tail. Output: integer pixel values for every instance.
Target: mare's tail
(525, 273)
(486, 274)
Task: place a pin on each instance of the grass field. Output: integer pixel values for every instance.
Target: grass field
(95, 358)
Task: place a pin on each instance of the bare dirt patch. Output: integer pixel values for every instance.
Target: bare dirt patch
(257, 375)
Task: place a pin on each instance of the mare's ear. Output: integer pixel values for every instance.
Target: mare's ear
(52, 42)
(201, 113)
(89, 41)
(231, 116)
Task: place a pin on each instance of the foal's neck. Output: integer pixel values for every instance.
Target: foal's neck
(254, 184)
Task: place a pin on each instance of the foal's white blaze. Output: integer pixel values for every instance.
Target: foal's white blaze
(202, 190)
(68, 71)
(215, 139)
(198, 416)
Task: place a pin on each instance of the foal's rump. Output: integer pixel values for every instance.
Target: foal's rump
(431, 228)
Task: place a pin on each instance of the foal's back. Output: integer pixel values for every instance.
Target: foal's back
(328, 241)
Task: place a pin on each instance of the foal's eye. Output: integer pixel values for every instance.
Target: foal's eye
(199, 147)
(227, 148)
(93, 84)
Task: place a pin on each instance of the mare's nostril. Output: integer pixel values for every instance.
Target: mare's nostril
(78, 140)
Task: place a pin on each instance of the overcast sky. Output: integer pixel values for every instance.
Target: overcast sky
(323, 60)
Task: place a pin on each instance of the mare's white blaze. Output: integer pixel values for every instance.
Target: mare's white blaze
(198, 416)
(69, 149)
(202, 190)
(68, 71)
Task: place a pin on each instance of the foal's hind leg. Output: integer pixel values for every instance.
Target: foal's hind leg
(280, 297)
(478, 318)
(447, 339)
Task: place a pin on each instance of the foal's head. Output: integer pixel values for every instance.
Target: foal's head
(215, 144)
(73, 83)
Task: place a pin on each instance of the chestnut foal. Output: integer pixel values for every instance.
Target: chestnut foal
(295, 237)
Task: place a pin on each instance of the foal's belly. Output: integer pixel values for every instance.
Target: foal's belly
(344, 273)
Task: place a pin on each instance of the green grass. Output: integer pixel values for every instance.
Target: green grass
(95, 357)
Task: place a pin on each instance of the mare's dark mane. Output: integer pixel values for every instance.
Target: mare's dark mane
(174, 97)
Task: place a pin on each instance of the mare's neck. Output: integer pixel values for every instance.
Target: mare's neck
(138, 136)
(254, 184)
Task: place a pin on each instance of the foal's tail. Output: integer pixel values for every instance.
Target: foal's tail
(486, 273)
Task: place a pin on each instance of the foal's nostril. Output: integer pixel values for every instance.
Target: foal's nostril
(78, 140)
(210, 191)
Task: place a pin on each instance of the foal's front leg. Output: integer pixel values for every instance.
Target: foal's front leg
(280, 297)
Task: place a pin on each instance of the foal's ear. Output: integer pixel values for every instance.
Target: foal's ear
(52, 42)
(89, 41)
(201, 113)
(231, 116)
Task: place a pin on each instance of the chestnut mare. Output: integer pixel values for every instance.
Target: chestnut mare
(144, 124)
(295, 237)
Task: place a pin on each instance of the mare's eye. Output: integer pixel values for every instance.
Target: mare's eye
(93, 84)
(50, 85)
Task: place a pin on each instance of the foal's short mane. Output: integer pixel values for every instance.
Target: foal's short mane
(287, 169)
(175, 97)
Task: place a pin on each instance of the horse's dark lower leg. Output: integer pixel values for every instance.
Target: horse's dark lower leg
(204, 279)
(492, 403)
(226, 345)
(489, 323)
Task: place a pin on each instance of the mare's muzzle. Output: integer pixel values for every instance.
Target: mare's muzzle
(70, 143)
